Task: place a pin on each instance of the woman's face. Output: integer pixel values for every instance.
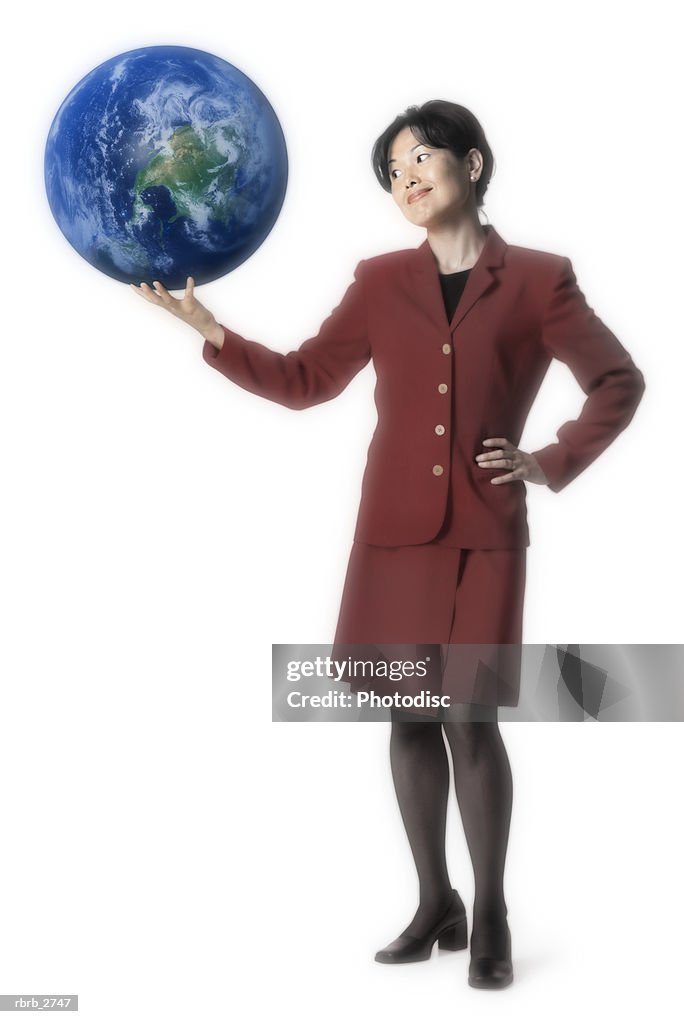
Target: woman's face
(430, 186)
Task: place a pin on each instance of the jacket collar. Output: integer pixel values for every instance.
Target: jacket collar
(482, 277)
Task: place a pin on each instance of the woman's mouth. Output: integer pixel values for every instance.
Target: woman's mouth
(415, 196)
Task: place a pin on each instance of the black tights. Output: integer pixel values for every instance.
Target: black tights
(484, 789)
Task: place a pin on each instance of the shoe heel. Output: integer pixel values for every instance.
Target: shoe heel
(455, 937)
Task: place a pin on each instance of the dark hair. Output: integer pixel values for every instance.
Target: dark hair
(442, 125)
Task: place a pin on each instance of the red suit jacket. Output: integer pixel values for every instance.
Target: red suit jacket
(520, 308)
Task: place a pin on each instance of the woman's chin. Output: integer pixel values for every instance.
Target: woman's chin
(417, 217)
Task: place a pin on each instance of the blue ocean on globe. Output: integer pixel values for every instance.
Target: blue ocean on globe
(165, 162)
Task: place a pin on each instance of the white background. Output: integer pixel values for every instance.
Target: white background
(168, 853)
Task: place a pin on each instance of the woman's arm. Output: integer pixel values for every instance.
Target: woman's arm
(315, 372)
(573, 333)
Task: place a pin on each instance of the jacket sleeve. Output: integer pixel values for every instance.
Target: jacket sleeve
(315, 372)
(573, 333)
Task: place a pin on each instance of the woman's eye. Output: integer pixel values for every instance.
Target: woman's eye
(396, 170)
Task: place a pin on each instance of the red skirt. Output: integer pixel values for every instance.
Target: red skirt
(460, 608)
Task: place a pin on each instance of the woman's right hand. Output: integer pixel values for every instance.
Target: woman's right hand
(189, 309)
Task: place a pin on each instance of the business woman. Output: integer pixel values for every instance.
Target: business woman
(461, 331)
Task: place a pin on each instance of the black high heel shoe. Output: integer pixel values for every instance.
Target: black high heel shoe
(450, 932)
(492, 972)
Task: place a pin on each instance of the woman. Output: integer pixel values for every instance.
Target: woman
(461, 331)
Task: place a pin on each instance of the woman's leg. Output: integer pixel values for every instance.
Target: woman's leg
(484, 790)
(420, 771)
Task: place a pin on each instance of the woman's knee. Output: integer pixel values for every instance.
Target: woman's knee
(469, 739)
(415, 733)
(472, 713)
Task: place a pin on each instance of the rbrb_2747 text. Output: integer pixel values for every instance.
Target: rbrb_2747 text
(367, 698)
(323, 667)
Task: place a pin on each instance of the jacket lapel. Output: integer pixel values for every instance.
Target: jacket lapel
(428, 292)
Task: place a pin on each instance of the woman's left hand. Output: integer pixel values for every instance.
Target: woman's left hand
(505, 455)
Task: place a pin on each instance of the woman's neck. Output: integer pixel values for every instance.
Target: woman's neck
(456, 246)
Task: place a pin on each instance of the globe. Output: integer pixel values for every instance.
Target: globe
(165, 162)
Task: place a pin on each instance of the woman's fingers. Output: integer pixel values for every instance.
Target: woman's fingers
(159, 296)
(162, 292)
(147, 293)
(504, 450)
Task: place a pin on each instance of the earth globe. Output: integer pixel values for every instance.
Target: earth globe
(165, 162)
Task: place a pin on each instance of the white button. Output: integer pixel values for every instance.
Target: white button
(439, 429)
(438, 470)
(446, 348)
(442, 388)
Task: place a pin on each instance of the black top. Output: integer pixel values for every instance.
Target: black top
(452, 289)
